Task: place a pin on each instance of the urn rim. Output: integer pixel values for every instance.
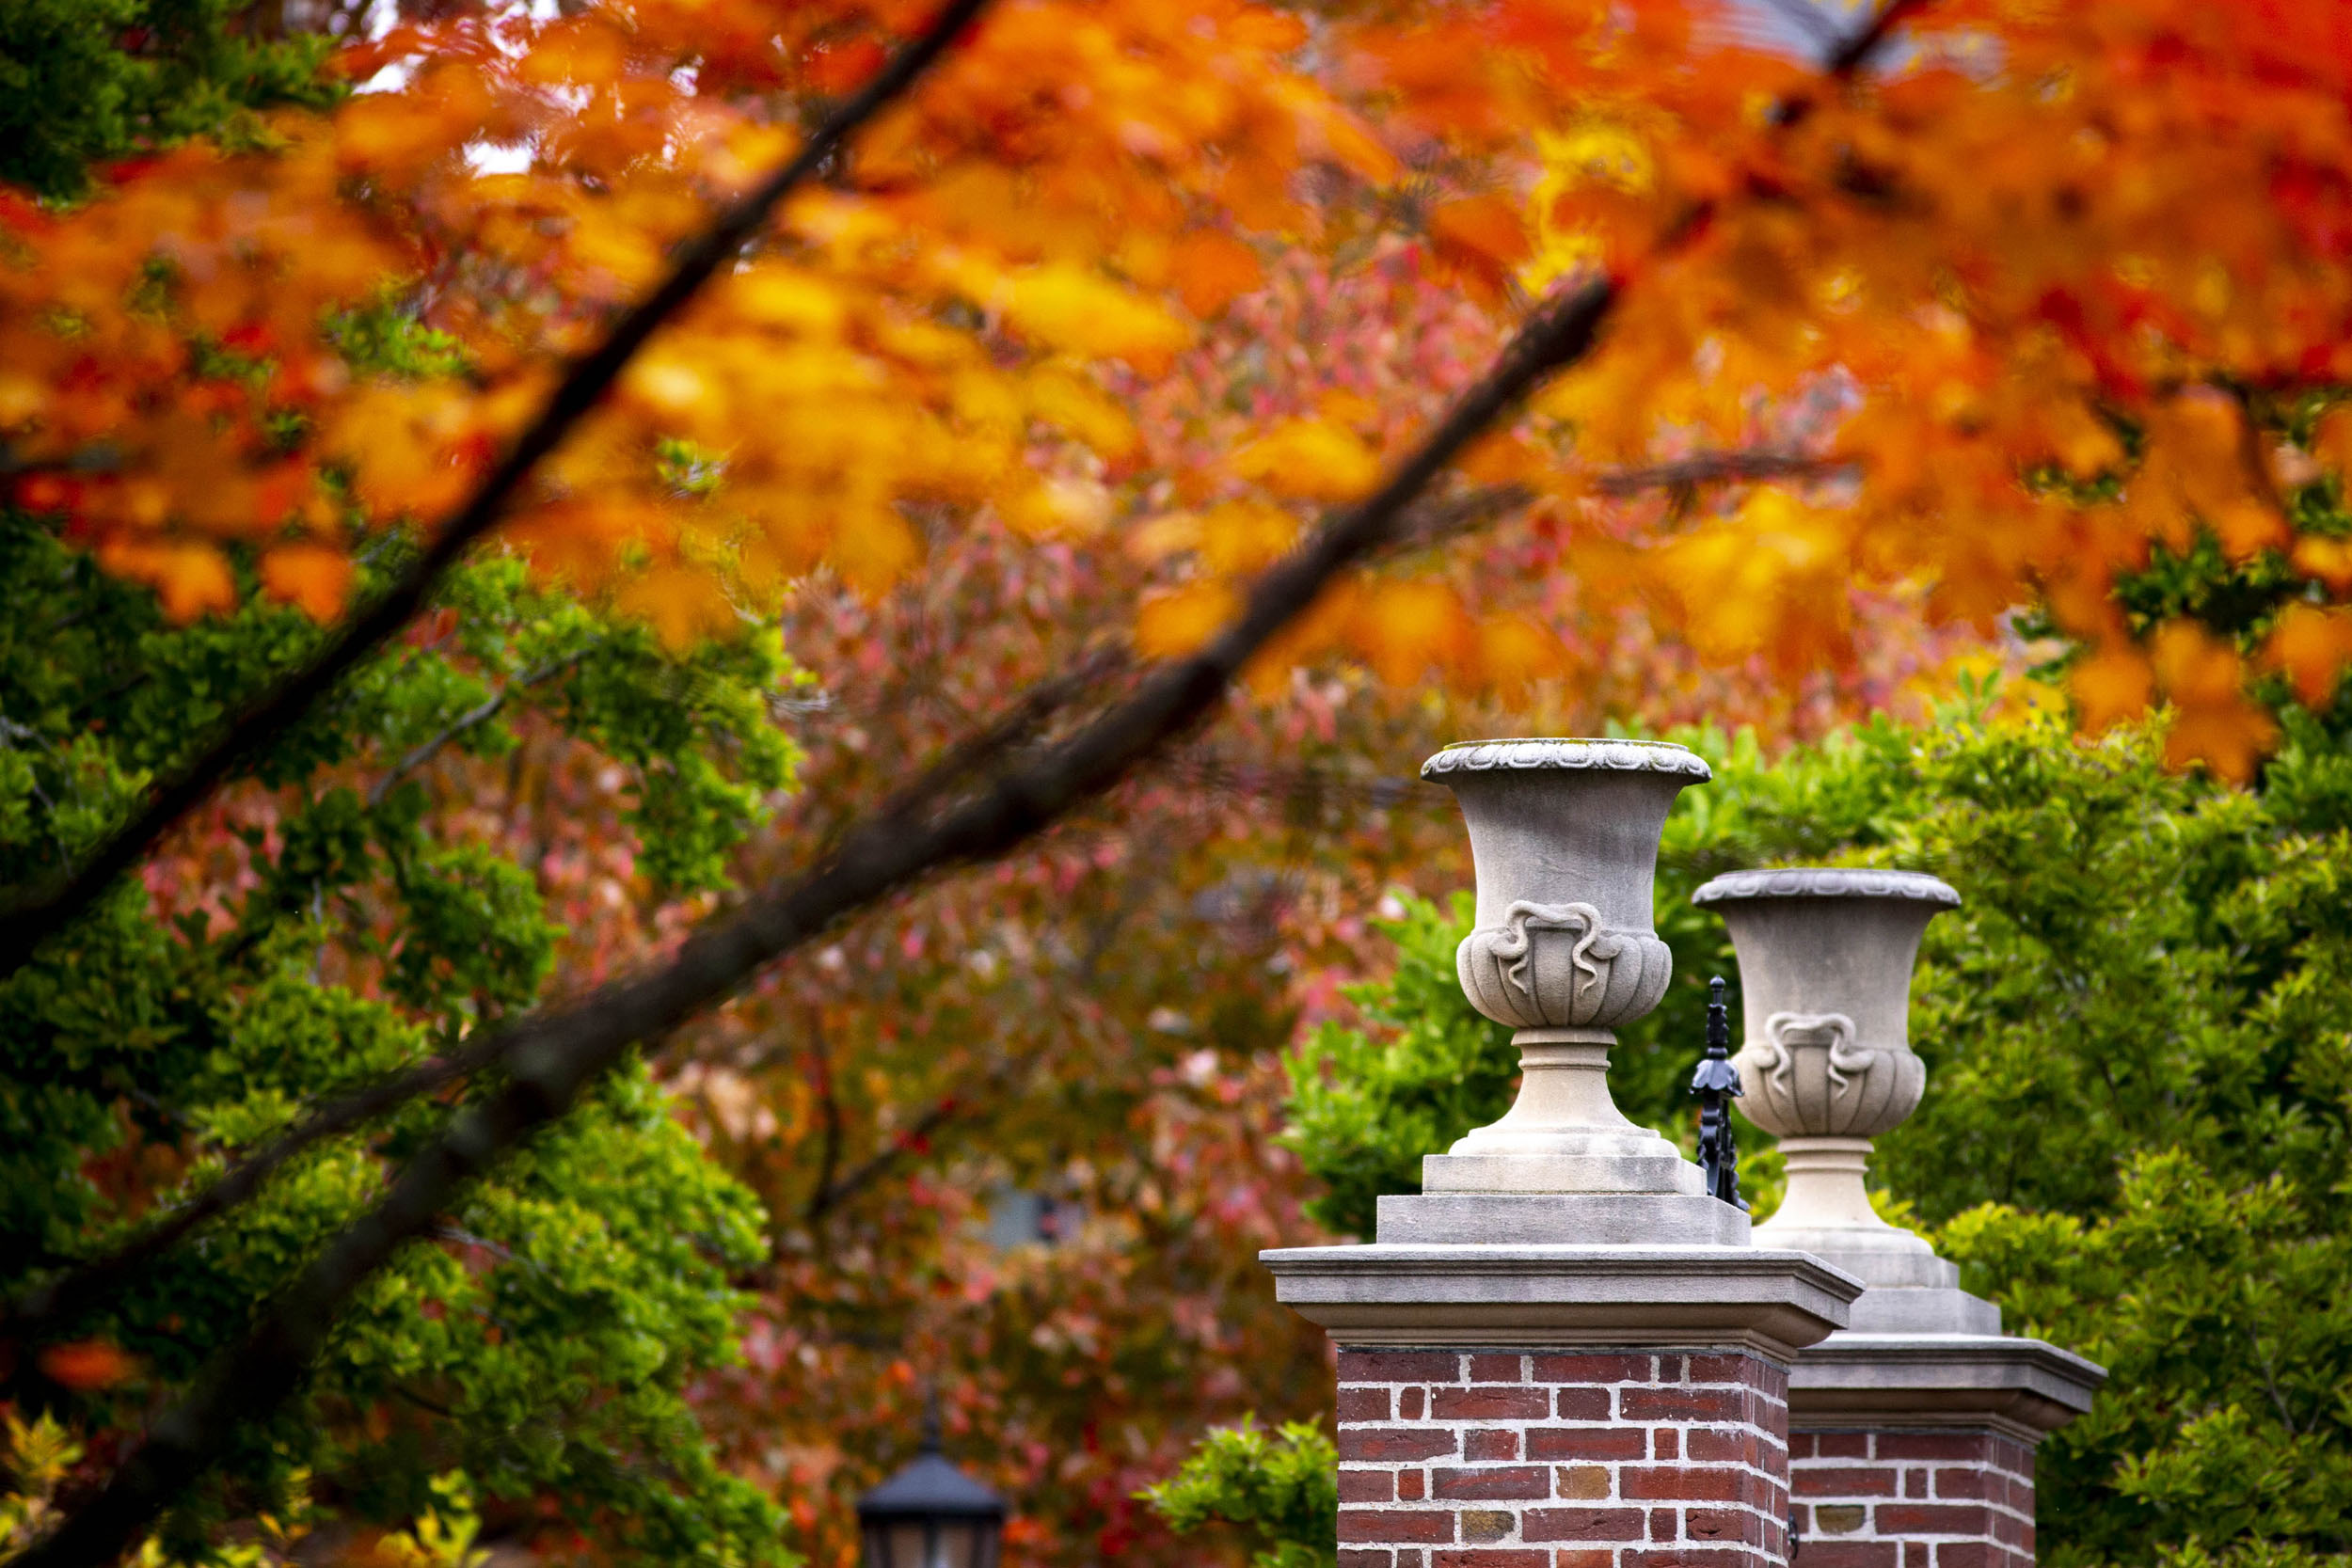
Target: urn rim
(1828, 882)
(1566, 751)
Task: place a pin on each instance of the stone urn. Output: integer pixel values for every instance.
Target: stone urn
(1565, 837)
(1825, 963)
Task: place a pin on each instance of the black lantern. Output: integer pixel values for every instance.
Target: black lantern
(931, 1515)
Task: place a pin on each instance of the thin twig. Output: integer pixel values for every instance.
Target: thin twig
(23, 928)
(481, 713)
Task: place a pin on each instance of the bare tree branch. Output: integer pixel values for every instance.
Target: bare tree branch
(1714, 468)
(480, 714)
(552, 1056)
(23, 928)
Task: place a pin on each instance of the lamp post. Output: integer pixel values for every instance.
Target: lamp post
(931, 1515)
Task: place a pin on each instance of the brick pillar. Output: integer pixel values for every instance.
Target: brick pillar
(1562, 1406)
(1960, 1498)
(1915, 1451)
(1583, 1458)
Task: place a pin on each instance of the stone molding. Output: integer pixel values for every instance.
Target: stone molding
(2022, 1388)
(1623, 756)
(1766, 1300)
(1813, 882)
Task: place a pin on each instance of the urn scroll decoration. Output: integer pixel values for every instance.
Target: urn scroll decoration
(1560, 966)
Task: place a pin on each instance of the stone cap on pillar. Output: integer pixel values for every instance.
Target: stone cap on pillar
(2022, 1388)
(1768, 1299)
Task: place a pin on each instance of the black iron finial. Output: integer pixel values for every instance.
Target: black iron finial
(1716, 1082)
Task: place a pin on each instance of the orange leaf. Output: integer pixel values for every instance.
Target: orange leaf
(311, 576)
(2313, 646)
(2113, 684)
(1213, 270)
(1482, 235)
(88, 1364)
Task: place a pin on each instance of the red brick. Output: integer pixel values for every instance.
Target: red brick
(1396, 1523)
(1850, 1554)
(1969, 1482)
(1690, 1557)
(1840, 1445)
(1723, 1369)
(1587, 1443)
(1918, 1554)
(1489, 1404)
(1583, 1405)
(1393, 1443)
(1581, 1524)
(1679, 1483)
(1399, 1366)
(1593, 1369)
(1969, 1448)
(1499, 1480)
(1498, 1368)
(1366, 1557)
(1412, 1485)
(1968, 1554)
(1366, 1486)
(1491, 1557)
(1722, 1448)
(1364, 1404)
(1914, 1484)
(1836, 1481)
(1908, 1519)
(1722, 1524)
(1669, 1369)
(2011, 1532)
(1490, 1443)
(1411, 1404)
(1665, 1443)
(1681, 1405)
(1662, 1525)
(1585, 1557)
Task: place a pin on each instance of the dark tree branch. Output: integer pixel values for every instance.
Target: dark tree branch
(1855, 52)
(23, 928)
(553, 1056)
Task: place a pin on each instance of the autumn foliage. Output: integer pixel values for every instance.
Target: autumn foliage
(1959, 335)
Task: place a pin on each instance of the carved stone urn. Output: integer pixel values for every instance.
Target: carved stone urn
(1565, 836)
(1825, 961)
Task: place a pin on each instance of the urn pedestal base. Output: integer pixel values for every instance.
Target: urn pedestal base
(1564, 1134)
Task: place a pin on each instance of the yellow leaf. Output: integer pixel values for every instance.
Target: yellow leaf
(1243, 536)
(1313, 459)
(1065, 305)
(1180, 621)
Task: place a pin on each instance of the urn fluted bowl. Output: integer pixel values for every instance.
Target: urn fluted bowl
(1565, 837)
(1825, 959)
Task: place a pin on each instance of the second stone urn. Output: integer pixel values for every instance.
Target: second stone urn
(1565, 837)
(1825, 961)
